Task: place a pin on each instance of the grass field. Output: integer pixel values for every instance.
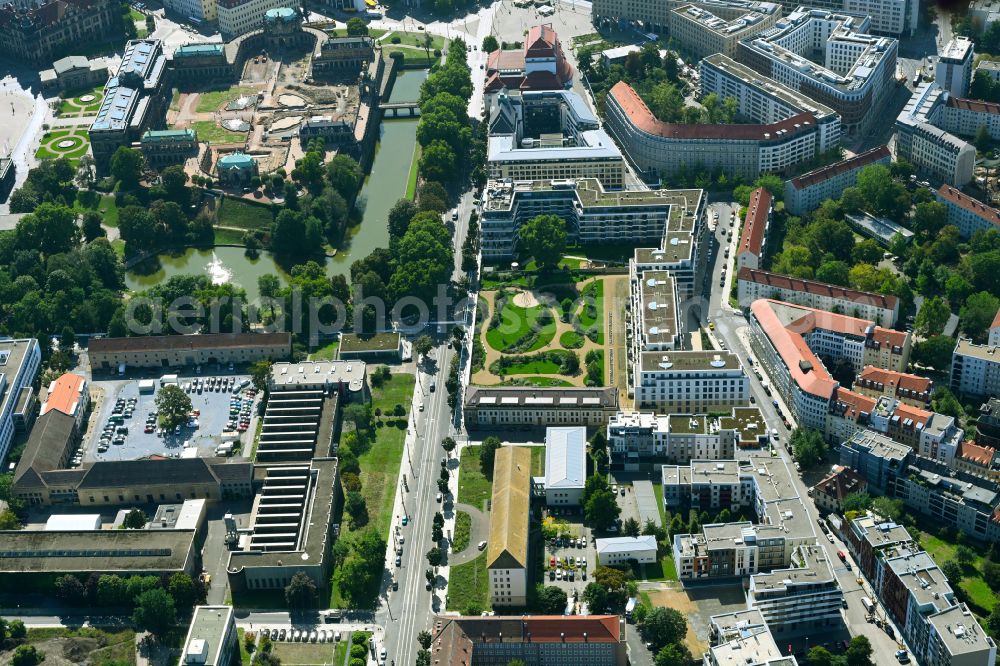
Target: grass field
(411, 178)
(228, 236)
(47, 147)
(515, 323)
(76, 106)
(544, 363)
(119, 644)
(537, 461)
(473, 488)
(463, 532)
(972, 581)
(571, 340)
(212, 100)
(327, 352)
(658, 571)
(238, 213)
(468, 586)
(340, 649)
(374, 33)
(305, 653)
(209, 132)
(594, 292)
(103, 204)
(410, 55)
(414, 39)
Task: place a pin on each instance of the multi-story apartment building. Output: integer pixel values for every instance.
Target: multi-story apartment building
(988, 422)
(935, 152)
(805, 597)
(877, 458)
(689, 381)
(968, 214)
(507, 551)
(965, 116)
(678, 250)
(883, 309)
(856, 78)
(953, 70)
(176, 351)
(565, 465)
(489, 407)
(975, 369)
(652, 321)
(550, 135)
(751, 248)
(135, 99)
(978, 460)
(236, 17)
(165, 147)
(762, 100)
(39, 33)
(829, 493)
(681, 438)
(742, 637)
(659, 150)
(910, 389)
(806, 192)
(873, 540)
(699, 32)
(19, 363)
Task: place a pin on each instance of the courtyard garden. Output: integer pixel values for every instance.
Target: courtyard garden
(81, 103)
(71, 143)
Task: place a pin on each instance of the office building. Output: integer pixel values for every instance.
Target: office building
(953, 69)
(699, 32)
(19, 364)
(762, 100)
(750, 253)
(910, 389)
(742, 638)
(73, 73)
(211, 639)
(806, 192)
(550, 135)
(507, 550)
(69, 394)
(689, 381)
(558, 640)
(803, 598)
(176, 351)
(935, 152)
(565, 465)
(135, 100)
(39, 33)
(975, 369)
(506, 406)
(624, 551)
(162, 148)
(236, 17)
(883, 309)
(539, 65)
(659, 150)
(876, 458)
(829, 493)
(968, 214)
(857, 76)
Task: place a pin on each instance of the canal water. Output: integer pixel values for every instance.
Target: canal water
(384, 185)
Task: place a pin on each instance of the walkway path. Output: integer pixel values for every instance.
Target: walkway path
(479, 531)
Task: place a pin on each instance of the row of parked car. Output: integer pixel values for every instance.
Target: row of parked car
(303, 635)
(115, 429)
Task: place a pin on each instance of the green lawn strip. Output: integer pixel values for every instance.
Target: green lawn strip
(542, 363)
(327, 352)
(463, 532)
(340, 652)
(136, 15)
(658, 571)
(175, 100)
(315, 654)
(414, 39)
(594, 292)
(515, 323)
(536, 381)
(658, 494)
(209, 132)
(473, 488)
(468, 585)
(245, 657)
(212, 100)
(374, 33)
(411, 178)
(411, 56)
(537, 460)
(979, 592)
(235, 212)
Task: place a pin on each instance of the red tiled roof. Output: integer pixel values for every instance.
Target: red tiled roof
(506, 60)
(64, 394)
(777, 281)
(541, 42)
(973, 105)
(917, 415)
(841, 483)
(755, 224)
(902, 380)
(640, 116)
(805, 368)
(996, 320)
(851, 405)
(968, 203)
(825, 173)
(974, 453)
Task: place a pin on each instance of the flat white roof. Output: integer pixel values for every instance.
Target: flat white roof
(61, 522)
(565, 457)
(626, 544)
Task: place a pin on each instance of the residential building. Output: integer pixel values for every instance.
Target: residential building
(753, 284)
(829, 493)
(550, 135)
(763, 100)
(755, 225)
(176, 351)
(743, 638)
(135, 100)
(977, 460)
(675, 254)
(73, 73)
(910, 389)
(964, 117)
(291, 527)
(653, 312)
(194, 11)
(508, 406)
(689, 381)
(699, 32)
(857, 76)
(953, 69)
(162, 148)
(988, 423)
(656, 15)
(507, 549)
(565, 465)
(935, 152)
(201, 62)
(806, 192)
(989, 67)
(592, 214)
(955, 638)
(69, 394)
(19, 364)
(41, 32)
(236, 17)
(560, 640)
(539, 65)
(211, 639)
(968, 214)
(876, 458)
(975, 369)
(805, 597)
(681, 438)
(993, 338)
(659, 150)
(872, 541)
(623, 551)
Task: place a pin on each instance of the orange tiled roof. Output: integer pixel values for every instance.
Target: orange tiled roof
(64, 394)
(974, 453)
(902, 380)
(805, 367)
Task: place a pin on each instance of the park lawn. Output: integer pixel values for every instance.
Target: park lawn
(463, 532)
(468, 585)
(380, 463)
(595, 291)
(473, 488)
(411, 56)
(414, 39)
(103, 203)
(972, 582)
(73, 103)
(411, 178)
(235, 212)
(228, 236)
(318, 654)
(374, 33)
(211, 100)
(327, 352)
(209, 132)
(118, 245)
(939, 549)
(536, 381)
(571, 340)
(540, 367)
(515, 323)
(979, 592)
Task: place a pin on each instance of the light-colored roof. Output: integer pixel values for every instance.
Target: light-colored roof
(508, 544)
(565, 457)
(626, 544)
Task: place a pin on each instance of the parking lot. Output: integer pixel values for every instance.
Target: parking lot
(570, 559)
(126, 414)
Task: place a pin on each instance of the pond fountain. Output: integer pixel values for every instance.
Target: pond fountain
(88, 98)
(66, 143)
